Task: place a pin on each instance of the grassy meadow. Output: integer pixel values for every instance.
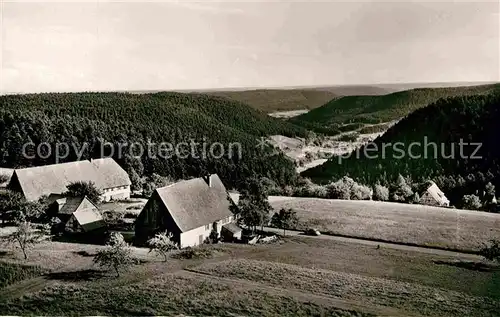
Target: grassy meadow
(393, 222)
(297, 276)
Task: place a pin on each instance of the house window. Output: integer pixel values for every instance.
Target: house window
(207, 227)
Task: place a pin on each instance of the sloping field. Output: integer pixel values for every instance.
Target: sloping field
(424, 300)
(300, 276)
(404, 223)
(166, 295)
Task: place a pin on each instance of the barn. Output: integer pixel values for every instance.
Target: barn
(35, 182)
(433, 196)
(189, 209)
(76, 215)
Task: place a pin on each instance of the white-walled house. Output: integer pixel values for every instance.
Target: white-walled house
(35, 182)
(433, 196)
(189, 209)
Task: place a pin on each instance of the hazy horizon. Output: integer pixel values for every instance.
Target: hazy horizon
(207, 45)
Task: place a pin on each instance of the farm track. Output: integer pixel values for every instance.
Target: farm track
(323, 300)
(27, 286)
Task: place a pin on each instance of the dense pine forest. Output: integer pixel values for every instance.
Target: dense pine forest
(447, 122)
(270, 100)
(358, 110)
(122, 118)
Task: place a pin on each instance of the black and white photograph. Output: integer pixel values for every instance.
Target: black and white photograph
(250, 158)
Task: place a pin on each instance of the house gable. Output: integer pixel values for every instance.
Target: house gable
(154, 218)
(15, 185)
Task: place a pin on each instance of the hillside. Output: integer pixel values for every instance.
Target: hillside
(119, 118)
(270, 100)
(377, 109)
(470, 119)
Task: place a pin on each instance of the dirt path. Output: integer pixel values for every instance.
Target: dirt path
(323, 300)
(22, 288)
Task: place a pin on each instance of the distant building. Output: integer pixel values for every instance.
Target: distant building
(76, 215)
(433, 196)
(190, 210)
(105, 173)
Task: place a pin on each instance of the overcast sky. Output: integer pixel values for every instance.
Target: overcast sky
(192, 45)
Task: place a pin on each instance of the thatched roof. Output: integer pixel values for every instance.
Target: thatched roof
(53, 179)
(193, 203)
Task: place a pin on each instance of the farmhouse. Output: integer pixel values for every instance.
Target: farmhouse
(77, 215)
(107, 175)
(433, 196)
(189, 209)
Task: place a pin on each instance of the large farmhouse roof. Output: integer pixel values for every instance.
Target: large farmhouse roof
(53, 179)
(193, 203)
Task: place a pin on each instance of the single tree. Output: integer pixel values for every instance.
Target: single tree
(491, 252)
(402, 191)
(136, 180)
(82, 189)
(285, 219)
(117, 255)
(416, 198)
(10, 202)
(27, 236)
(162, 244)
(153, 182)
(253, 206)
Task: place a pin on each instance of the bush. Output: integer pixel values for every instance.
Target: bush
(491, 252)
(361, 192)
(117, 255)
(162, 244)
(380, 193)
(346, 188)
(194, 253)
(471, 202)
